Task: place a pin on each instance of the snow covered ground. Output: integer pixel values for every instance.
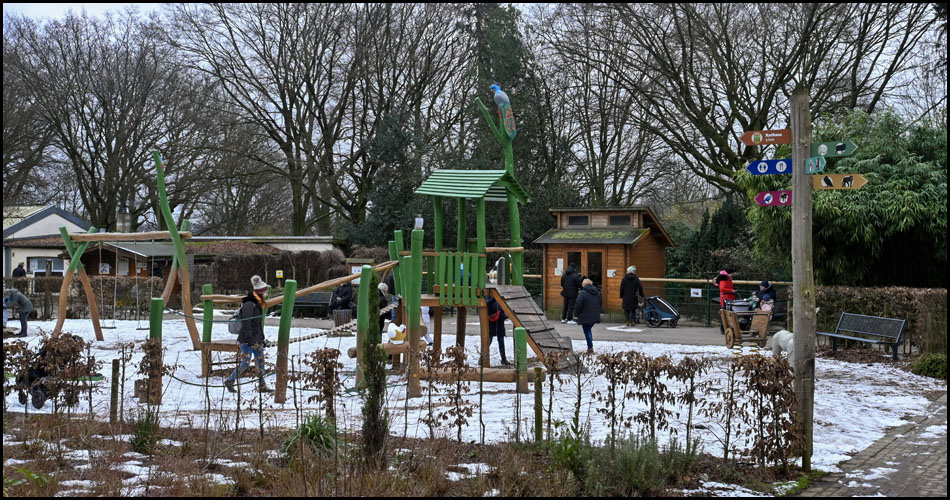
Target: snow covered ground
(854, 403)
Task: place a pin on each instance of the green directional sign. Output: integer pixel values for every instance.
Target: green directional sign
(833, 149)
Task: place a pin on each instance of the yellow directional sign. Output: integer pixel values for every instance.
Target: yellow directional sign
(838, 181)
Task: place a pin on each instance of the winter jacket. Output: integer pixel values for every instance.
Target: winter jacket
(252, 326)
(726, 292)
(630, 287)
(767, 294)
(587, 308)
(19, 272)
(343, 292)
(570, 283)
(19, 301)
(496, 318)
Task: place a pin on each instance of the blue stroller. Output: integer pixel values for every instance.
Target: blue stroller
(656, 311)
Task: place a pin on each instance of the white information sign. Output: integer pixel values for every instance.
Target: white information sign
(695, 292)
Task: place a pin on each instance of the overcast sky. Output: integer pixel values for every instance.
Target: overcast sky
(58, 10)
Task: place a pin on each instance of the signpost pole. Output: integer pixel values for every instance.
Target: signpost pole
(803, 310)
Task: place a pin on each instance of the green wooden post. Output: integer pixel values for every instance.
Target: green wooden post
(538, 405)
(155, 310)
(362, 322)
(283, 339)
(208, 314)
(521, 359)
(394, 255)
(401, 269)
(479, 278)
(414, 303)
(460, 238)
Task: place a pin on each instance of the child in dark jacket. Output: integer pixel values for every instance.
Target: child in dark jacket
(496, 326)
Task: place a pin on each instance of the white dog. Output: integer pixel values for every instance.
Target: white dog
(784, 340)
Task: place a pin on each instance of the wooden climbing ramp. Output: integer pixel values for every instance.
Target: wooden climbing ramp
(523, 311)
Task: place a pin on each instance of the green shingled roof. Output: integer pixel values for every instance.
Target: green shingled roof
(493, 185)
(591, 236)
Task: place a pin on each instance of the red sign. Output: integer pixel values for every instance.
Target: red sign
(774, 198)
(763, 137)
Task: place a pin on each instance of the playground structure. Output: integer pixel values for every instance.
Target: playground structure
(179, 262)
(456, 279)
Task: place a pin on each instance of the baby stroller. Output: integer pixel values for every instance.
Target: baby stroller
(36, 382)
(656, 311)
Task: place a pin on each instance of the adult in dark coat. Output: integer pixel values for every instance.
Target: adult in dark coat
(588, 311)
(341, 298)
(19, 272)
(570, 284)
(16, 300)
(496, 326)
(765, 296)
(630, 289)
(251, 337)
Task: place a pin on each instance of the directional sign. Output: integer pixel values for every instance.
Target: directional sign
(838, 181)
(761, 137)
(767, 167)
(815, 165)
(774, 198)
(833, 149)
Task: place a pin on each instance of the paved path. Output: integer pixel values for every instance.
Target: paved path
(909, 461)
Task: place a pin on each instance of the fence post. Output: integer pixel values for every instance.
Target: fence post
(283, 340)
(521, 359)
(114, 396)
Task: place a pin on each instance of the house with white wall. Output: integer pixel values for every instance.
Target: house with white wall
(31, 236)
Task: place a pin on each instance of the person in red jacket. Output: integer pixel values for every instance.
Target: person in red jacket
(726, 291)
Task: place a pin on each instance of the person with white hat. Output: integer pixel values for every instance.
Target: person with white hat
(251, 337)
(630, 291)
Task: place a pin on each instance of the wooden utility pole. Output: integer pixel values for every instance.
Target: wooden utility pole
(803, 275)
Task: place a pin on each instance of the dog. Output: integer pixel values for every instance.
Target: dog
(847, 181)
(784, 340)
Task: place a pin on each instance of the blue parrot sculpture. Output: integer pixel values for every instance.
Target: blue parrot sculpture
(504, 111)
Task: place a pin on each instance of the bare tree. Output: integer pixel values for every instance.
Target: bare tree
(618, 159)
(713, 71)
(111, 93)
(26, 138)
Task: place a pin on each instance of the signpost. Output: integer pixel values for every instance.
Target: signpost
(774, 198)
(838, 181)
(764, 137)
(769, 167)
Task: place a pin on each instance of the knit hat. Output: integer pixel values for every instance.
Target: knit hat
(587, 282)
(765, 284)
(258, 284)
(383, 287)
(632, 269)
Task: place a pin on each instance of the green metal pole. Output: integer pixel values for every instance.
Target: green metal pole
(283, 340)
(208, 314)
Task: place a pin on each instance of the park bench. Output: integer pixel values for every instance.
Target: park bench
(315, 299)
(887, 331)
